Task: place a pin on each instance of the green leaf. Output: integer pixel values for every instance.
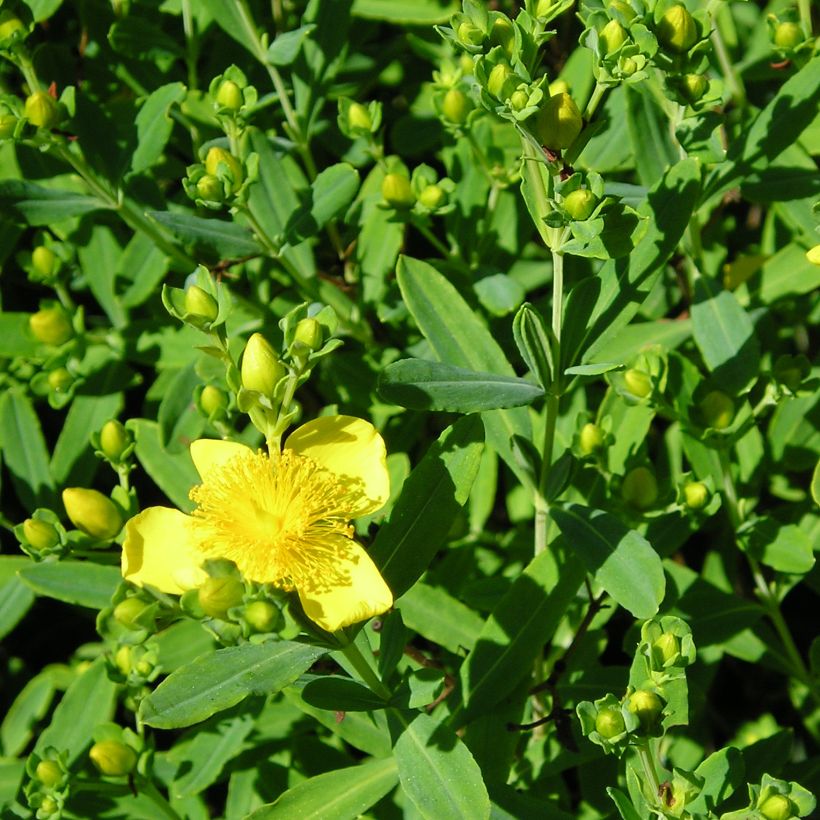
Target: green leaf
(182, 643)
(222, 679)
(15, 339)
(534, 339)
(154, 126)
(431, 497)
(15, 597)
(623, 804)
(725, 336)
(36, 205)
(343, 794)
(595, 369)
(230, 17)
(210, 239)
(632, 339)
(499, 294)
(144, 266)
(179, 420)
(285, 48)
(24, 450)
(783, 547)
(410, 12)
(28, 708)
(459, 338)
(524, 620)
(815, 484)
(723, 772)
(788, 273)
(438, 773)
(648, 125)
(340, 694)
(84, 583)
(622, 560)
(100, 256)
(141, 39)
(423, 385)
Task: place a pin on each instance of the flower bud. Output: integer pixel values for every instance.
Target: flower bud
(229, 95)
(503, 34)
(217, 157)
(309, 333)
(261, 616)
(640, 488)
(261, 367)
(501, 82)
(628, 66)
(717, 410)
(469, 34)
(694, 87)
(455, 106)
(580, 204)
(558, 86)
(591, 438)
(209, 188)
(519, 100)
(40, 534)
(123, 659)
(60, 380)
(358, 117)
(397, 192)
(112, 758)
(646, 706)
(626, 11)
(665, 648)
(218, 595)
(129, 611)
(559, 122)
(609, 722)
(638, 383)
(8, 124)
(788, 35)
(776, 807)
(813, 255)
(677, 30)
(51, 326)
(92, 512)
(212, 400)
(201, 304)
(114, 440)
(696, 495)
(432, 197)
(43, 260)
(49, 773)
(611, 37)
(41, 110)
(10, 24)
(48, 807)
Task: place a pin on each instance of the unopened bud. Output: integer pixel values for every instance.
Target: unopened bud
(114, 440)
(501, 83)
(559, 122)
(558, 86)
(696, 495)
(49, 773)
(229, 95)
(665, 648)
(591, 438)
(217, 158)
(432, 197)
(112, 758)
(609, 722)
(209, 188)
(261, 616)
(309, 333)
(123, 659)
(129, 611)
(646, 706)
(717, 410)
(261, 367)
(455, 106)
(776, 807)
(469, 34)
(640, 488)
(519, 100)
(580, 204)
(788, 35)
(358, 117)
(200, 303)
(51, 326)
(212, 400)
(40, 535)
(48, 807)
(813, 255)
(8, 125)
(397, 192)
(638, 383)
(41, 110)
(503, 34)
(611, 37)
(694, 87)
(677, 30)
(628, 66)
(218, 595)
(92, 512)
(43, 260)
(59, 380)
(626, 11)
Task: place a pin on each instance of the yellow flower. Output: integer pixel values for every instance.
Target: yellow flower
(282, 520)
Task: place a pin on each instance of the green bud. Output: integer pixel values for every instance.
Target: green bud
(777, 807)
(694, 87)
(628, 66)
(48, 807)
(309, 333)
(580, 204)
(640, 488)
(144, 668)
(200, 303)
(455, 106)
(696, 495)
(128, 612)
(559, 122)
(591, 438)
(209, 188)
(218, 595)
(638, 383)
(43, 260)
(611, 37)
(92, 512)
(397, 192)
(212, 400)
(358, 117)
(49, 773)
(626, 11)
(10, 24)
(646, 706)
(813, 255)
(51, 326)
(261, 616)
(788, 35)
(519, 100)
(217, 157)
(432, 197)
(8, 124)
(261, 367)
(40, 534)
(41, 110)
(677, 30)
(501, 82)
(469, 34)
(59, 380)
(503, 34)
(229, 95)
(123, 659)
(717, 410)
(112, 758)
(609, 722)
(665, 648)
(114, 440)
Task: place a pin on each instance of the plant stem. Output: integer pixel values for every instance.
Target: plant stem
(366, 673)
(734, 81)
(592, 105)
(648, 763)
(425, 231)
(805, 17)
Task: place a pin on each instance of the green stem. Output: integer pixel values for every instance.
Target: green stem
(425, 231)
(649, 768)
(733, 80)
(27, 69)
(594, 100)
(365, 671)
(805, 17)
(191, 50)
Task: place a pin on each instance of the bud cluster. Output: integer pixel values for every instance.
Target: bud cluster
(49, 783)
(233, 98)
(203, 304)
(422, 193)
(775, 799)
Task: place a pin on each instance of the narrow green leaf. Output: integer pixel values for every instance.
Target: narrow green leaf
(141, 39)
(632, 339)
(340, 694)
(285, 48)
(29, 707)
(84, 583)
(622, 560)
(534, 339)
(154, 126)
(15, 339)
(438, 773)
(222, 679)
(410, 12)
(723, 772)
(431, 497)
(623, 804)
(15, 597)
(211, 239)
(230, 17)
(788, 273)
(783, 547)
(329, 194)
(36, 205)
(595, 369)
(648, 126)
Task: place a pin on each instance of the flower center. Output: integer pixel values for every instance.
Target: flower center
(284, 522)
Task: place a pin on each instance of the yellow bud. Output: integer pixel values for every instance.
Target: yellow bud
(59, 380)
(112, 758)
(43, 259)
(503, 34)
(358, 117)
(776, 807)
(212, 400)
(696, 495)
(501, 82)
(201, 304)
(49, 773)
(123, 659)
(229, 95)
(144, 668)
(677, 30)
(92, 512)
(628, 66)
(51, 326)
(612, 36)
(128, 612)
(813, 255)
(788, 35)
(114, 439)
(40, 534)
(218, 595)
(559, 122)
(209, 188)
(638, 383)
(646, 706)
(469, 34)
(432, 197)
(10, 24)
(48, 807)
(591, 438)
(8, 124)
(41, 110)
(261, 368)
(262, 616)
(519, 100)
(717, 410)
(694, 87)
(609, 722)
(665, 648)
(455, 106)
(558, 87)
(397, 192)
(640, 488)
(218, 157)
(624, 8)
(309, 333)
(580, 204)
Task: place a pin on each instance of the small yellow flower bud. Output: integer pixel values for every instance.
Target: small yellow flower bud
(717, 410)
(218, 595)
(455, 106)
(217, 157)
(609, 722)
(92, 512)
(646, 706)
(10, 24)
(40, 534)
(469, 34)
(43, 259)
(777, 807)
(612, 36)
(229, 95)
(694, 87)
(696, 495)
(112, 758)
(144, 668)
(591, 438)
(48, 807)
(49, 773)
(200, 303)
(638, 383)
(501, 82)
(503, 34)
(665, 648)
(788, 35)
(8, 124)
(123, 659)
(397, 192)
(309, 333)
(677, 30)
(209, 188)
(640, 488)
(261, 367)
(628, 66)
(432, 197)
(558, 87)
(114, 439)
(51, 326)
(128, 612)
(358, 117)
(559, 122)
(813, 255)
(212, 400)
(59, 380)
(580, 204)
(41, 110)
(519, 100)
(262, 616)
(624, 8)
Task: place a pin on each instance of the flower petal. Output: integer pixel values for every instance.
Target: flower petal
(160, 550)
(208, 453)
(357, 592)
(352, 449)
